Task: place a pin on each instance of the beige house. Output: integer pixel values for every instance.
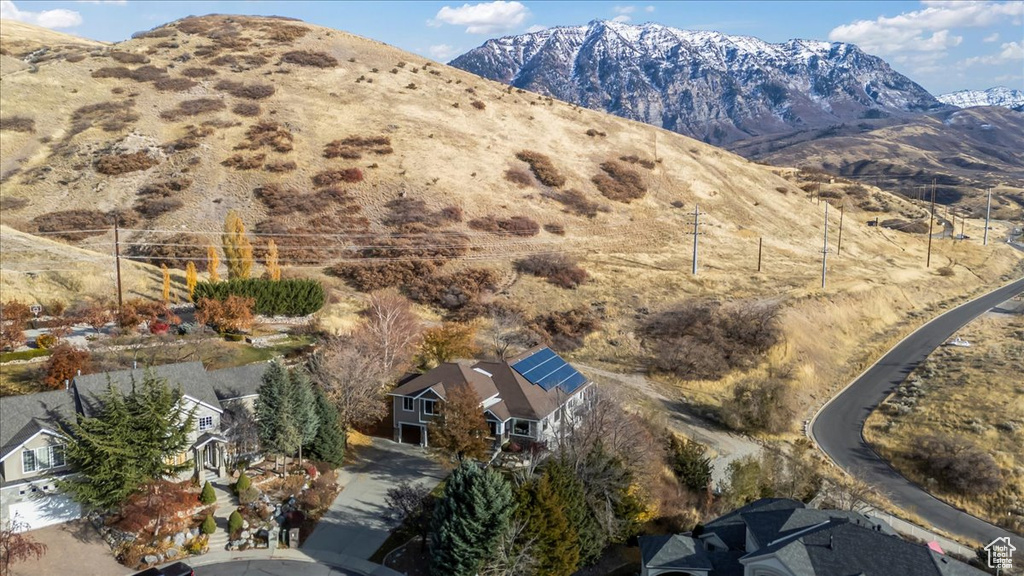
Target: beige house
(531, 397)
(31, 449)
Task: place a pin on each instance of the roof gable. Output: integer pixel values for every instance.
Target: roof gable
(23, 417)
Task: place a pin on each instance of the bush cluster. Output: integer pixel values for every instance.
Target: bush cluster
(247, 91)
(519, 177)
(455, 292)
(478, 104)
(289, 297)
(169, 84)
(333, 177)
(957, 464)
(308, 58)
(110, 116)
(189, 140)
(240, 62)
(576, 202)
(281, 201)
(242, 162)
(705, 339)
(140, 74)
(77, 225)
(761, 405)
(247, 109)
(267, 134)
(352, 148)
(198, 72)
(619, 183)
(905, 226)
(115, 164)
(634, 159)
(18, 124)
(129, 58)
(404, 212)
(565, 331)
(280, 166)
(559, 269)
(284, 33)
(542, 168)
(155, 207)
(511, 226)
(193, 108)
(176, 251)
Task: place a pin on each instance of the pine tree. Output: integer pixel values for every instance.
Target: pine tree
(303, 402)
(272, 406)
(470, 517)
(286, 410)
(236, 246)
(131, 440)
(556, 540)
(212, 263)
(273, 268)
(167, 284)
(329, 443)
(191, 278)
(690, 462)
(590, 538)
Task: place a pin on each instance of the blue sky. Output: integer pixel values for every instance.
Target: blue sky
(942, 45)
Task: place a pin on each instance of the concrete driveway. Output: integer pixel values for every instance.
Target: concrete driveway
(353, 525)
(72, 548)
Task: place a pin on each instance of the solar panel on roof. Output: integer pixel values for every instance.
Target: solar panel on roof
(546, 369)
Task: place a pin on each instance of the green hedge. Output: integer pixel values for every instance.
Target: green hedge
(23, 354)
(297, 297)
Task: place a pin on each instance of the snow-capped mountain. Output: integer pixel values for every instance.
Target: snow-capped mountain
(707, 85)
(998, 96)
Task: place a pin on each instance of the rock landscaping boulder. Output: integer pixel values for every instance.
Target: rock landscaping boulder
(151, 558)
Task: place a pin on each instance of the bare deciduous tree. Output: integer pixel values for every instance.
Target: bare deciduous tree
(508, 334)
(354, 380)
(16, 546)
(392, 330)
(514, 553)
(241, 431)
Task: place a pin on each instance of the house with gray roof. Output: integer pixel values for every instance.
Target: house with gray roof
(527, 398)
(782, 537)
(32, 446)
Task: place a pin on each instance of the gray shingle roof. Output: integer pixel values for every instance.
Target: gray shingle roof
(229, 383)
(731, 528)
(190, 376)
(770, 525)
(674, 551)
(22, 417)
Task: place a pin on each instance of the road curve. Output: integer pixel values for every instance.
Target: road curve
(838, 427)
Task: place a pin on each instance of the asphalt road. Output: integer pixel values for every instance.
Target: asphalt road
(270, 568)
(838, 427)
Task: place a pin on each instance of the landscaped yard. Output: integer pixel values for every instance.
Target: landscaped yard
(967, 396)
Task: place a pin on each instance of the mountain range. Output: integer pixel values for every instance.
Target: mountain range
(707, 85)
(998, 96)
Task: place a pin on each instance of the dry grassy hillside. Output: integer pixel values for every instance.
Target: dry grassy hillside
(343, 149)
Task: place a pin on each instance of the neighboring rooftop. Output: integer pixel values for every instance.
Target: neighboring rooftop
(22, 417)
(191, 377)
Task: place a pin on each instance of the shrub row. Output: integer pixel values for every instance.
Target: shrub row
(406, 211)
(332, 177)
(542, 168)
(77, 225)
(198, 72)
(576, 202)
(559, 269)
(290, 297)
(176, 251)
(242, 162)
(619, 183)
(281, 201)
(140, 74)
(512, 226)
(351, 148)
(115, 164)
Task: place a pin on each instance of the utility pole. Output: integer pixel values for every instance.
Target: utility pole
(963, 220)
(696, 232)
(988, 214)
(931, 223)
(759, 241)
(117, 259)
(819, 192)
(842, 209)
(824, 250)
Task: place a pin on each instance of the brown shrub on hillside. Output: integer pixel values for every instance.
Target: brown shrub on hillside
(478, 104)
(280, 166)
(189, 140)
(8, 203)
(403, 212)
(242, 90)
(110, 116)
(513, 226)
(155, 207)
(115, 164)
(242, 162)
(906, 226)
(556, 229)
(162, 32)
(77, 225)
(165, 188)
(455, 292)
(248, 109)
(281, 201)
(370, 276)
(147, 73)
(593, 133)
(308, 58)
(761, 405)
(332, 177)
(519, 176)
(176, 251)
(705, 339)
(565, 331)
(619, 183)
(169, 84)
(542, 168)
(112, 72)
(193, 108)
(198, 72)
(559, 269)
(267, 133)
(196, 25)
(240, 62)
(576, 202)
(957, 464)
(18, 124)
(284, 33)
(129, 58)
(634, 159)
(74, 57)
(352, 147)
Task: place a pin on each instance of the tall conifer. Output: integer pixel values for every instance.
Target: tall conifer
(471, 515)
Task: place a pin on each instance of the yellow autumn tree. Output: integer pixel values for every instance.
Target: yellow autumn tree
(167, 283)
(212, 263)
(237, 248)
(273, 268)
(191, 278)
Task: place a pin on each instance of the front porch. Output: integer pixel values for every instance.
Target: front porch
(208, 454)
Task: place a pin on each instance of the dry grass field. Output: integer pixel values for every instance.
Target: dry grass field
(973, 393)
(336, 145)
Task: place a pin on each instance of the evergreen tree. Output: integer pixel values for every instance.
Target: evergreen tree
(556, 546)
(470, 517)
(236, 246)
(285, 410)
(590, 538)
(132, 440)
(690, 463)
(303, 402)
(272, 405)
(329, 443)
(207, 496)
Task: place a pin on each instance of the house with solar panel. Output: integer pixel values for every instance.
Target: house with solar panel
(528, 398)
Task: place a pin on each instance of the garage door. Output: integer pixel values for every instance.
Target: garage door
(46, 511)
(411, 434)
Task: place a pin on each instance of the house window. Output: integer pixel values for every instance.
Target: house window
(558, 415)
(205, 423)
(428, 406)
(521, 427)
(407, 404)
(42, 458)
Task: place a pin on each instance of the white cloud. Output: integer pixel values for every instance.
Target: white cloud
(649, 9)
(59, 18)
(1009, 77)
(925, 30)
(102, 1)
(483, 18)
(1010, 51)
(624, 9)
(993, 37)
(442, 51)
(621, 18)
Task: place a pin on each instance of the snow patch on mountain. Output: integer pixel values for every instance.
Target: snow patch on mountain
(998, 96)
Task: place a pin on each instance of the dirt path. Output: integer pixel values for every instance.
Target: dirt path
(726, 446)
